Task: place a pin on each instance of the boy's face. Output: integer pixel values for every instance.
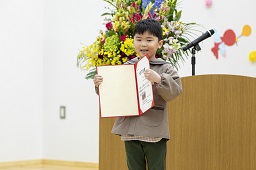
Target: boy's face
(146, 43)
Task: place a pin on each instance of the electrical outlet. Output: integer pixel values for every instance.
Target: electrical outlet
(62, 112)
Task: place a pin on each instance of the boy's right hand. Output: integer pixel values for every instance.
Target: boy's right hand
(97, 80)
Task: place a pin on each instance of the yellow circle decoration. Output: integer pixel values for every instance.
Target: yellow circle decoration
(252, 56)
(246, 30)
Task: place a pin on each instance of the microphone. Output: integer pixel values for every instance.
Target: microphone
(205, 35)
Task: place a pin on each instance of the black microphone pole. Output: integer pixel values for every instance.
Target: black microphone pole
(193, 61)
(193, 58)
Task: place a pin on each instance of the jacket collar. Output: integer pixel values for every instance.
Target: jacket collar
(157, 61)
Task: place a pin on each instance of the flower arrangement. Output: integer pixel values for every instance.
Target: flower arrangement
(115, 45)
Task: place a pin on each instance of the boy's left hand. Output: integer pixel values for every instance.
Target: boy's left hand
(152, 76)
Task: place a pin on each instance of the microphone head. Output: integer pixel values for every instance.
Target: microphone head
(211, 32)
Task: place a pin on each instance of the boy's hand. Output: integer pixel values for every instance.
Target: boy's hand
(97, 80)
(152, 76)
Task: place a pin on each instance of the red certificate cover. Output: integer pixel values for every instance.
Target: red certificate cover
(125, 91)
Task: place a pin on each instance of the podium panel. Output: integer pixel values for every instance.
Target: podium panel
(212, 126)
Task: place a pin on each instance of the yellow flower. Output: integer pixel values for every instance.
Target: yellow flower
(116, 26)
(125, 59)
(165, 31)
(127, 46)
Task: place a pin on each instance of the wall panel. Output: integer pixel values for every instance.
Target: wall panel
(212, 127)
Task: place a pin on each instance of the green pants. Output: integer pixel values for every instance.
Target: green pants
(145, 154)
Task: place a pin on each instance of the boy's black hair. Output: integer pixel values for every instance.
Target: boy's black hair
(150, 25)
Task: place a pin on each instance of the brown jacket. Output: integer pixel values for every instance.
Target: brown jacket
(154, 122)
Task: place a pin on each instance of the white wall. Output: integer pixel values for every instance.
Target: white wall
(66, 25)
(21, 85)
(223, 15)
(39, 42)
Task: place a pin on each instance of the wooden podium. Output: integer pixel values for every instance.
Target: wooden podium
(212, 125)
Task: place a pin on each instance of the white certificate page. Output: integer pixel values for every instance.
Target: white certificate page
(145, 90)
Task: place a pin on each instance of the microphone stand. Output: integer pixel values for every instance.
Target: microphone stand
(195, 48)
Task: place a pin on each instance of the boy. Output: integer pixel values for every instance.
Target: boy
(145, 136)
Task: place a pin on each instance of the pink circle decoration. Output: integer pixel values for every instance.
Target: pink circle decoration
(208, 3)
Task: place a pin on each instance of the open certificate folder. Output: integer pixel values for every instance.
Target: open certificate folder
(125, 91)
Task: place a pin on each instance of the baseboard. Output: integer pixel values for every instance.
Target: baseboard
(70, 163)
(49, 162)
(20, 163)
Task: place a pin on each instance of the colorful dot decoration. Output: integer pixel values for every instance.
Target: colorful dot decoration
(229, 38)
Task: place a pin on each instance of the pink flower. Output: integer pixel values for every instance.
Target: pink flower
(102, 41)
(123, 37)
(136, 17)
(109, 25)
(136, 7)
